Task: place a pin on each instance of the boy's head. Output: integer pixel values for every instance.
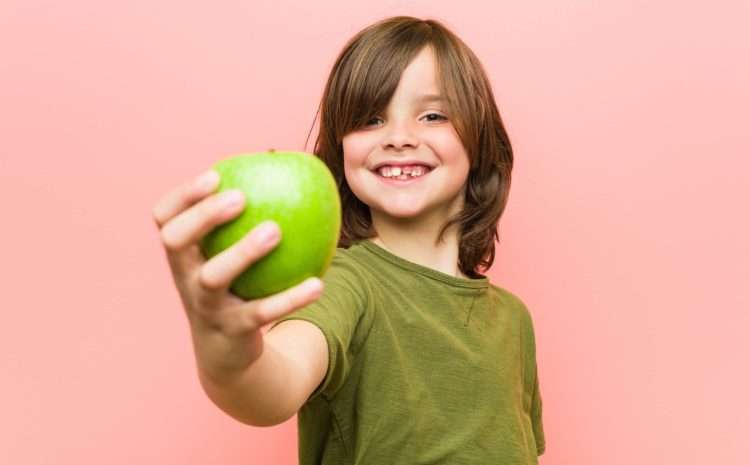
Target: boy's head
(370, 113)
(414, 133)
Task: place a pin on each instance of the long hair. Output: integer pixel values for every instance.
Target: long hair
(365, 75)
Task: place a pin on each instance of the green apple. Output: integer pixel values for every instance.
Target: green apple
(299, 193)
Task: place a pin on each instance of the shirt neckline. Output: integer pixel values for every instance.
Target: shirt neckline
(478, 283)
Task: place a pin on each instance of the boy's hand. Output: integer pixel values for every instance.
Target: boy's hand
(184, 216)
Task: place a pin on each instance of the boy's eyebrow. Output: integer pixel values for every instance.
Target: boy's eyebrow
(430, 98)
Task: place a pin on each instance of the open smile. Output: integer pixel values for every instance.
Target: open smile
(402, 180)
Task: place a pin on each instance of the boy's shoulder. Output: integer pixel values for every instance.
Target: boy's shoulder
(345, 253)
(347, 267)
(354, 259)
(510, 300)
(506, 296)
(347, 258)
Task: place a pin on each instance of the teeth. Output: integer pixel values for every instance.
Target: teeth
(402, 173)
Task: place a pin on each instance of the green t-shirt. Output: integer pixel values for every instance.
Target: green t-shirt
(424, 368)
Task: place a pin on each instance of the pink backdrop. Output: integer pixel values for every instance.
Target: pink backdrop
(626, 233)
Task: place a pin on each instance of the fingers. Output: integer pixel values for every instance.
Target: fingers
(277, 305)
(243, 319)
(218, 273)
(186, 214)
(183, 197)
(189, 226)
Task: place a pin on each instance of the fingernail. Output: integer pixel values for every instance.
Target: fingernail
(207, 180)
(313, 284)
(267, 233)
(231, 199)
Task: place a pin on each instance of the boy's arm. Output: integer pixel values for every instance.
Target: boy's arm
(292, 364)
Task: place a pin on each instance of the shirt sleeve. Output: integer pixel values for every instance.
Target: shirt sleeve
(536, 417)
(342, 315)
(536, 395)
(532, 379)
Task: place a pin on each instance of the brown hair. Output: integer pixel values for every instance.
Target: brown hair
(363, 79)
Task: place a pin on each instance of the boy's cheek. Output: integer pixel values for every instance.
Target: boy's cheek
(356, 148)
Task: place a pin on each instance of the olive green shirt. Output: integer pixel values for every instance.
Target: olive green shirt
(424, 368)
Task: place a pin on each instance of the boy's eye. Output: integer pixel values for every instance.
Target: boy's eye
(435, 114)
(438, 115)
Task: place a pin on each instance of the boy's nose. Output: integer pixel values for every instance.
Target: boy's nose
(400, 137)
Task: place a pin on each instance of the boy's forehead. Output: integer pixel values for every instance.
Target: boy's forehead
(421, 74)
(418, 97)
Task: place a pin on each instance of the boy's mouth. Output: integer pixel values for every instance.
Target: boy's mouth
(402, 173)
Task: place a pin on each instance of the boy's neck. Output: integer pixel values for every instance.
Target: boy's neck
(414, 239)
(416, 244)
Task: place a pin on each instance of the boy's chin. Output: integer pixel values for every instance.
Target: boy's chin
(403, 213)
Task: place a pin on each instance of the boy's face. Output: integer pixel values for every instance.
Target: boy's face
(411, 129)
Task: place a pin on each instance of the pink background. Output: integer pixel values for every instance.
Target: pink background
(626, 233)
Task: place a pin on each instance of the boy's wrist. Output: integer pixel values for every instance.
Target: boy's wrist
(221, 358)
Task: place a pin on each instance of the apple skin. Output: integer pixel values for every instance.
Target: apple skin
(299, 193)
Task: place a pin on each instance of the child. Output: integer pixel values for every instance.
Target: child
(410, 355)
